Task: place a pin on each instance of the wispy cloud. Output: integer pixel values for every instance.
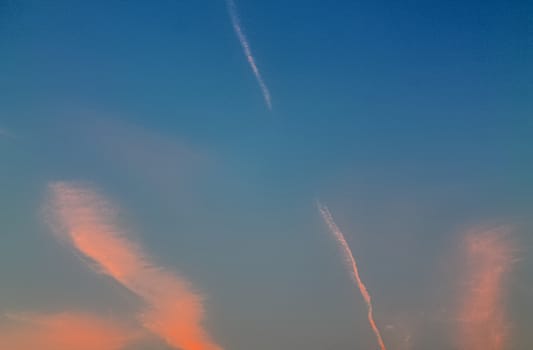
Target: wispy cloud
(164, 164)
(351, 262)
(235, 21)
(5, 133)
(483, 324)
(87, 220)
(64, 331)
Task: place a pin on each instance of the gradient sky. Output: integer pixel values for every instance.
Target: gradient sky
(412, 121)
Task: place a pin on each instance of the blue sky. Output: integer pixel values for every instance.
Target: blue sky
(410, 120)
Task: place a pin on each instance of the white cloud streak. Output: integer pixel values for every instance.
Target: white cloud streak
(232, 9)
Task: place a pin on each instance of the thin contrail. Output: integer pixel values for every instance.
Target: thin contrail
(232, 9)
(350, 260)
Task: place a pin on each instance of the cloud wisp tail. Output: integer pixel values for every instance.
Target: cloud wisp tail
(351, 262)
(65, 331)
(237, 27)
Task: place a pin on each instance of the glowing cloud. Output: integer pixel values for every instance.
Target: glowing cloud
(350, 260)
(87, 220)
(232, 9)
(483, 324)
(65, 331)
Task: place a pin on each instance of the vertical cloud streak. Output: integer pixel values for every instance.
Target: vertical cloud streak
(350, 260)
(235, 21)
(65, 331)
(483, 324)
(87, 221)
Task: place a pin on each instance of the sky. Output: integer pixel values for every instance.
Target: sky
(232, 174)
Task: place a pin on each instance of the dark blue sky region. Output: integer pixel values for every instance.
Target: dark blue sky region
(412, 121)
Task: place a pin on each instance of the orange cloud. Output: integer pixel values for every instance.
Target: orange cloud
(174, 311)
(483, 323)
(65, 331)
